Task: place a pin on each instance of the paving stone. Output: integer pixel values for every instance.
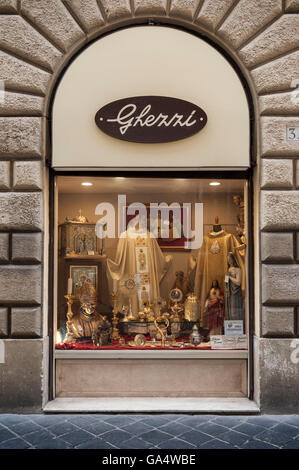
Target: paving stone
(62, 428)
(36, 437)
(87, 12)
(195, 437)
(287, 430)
(5, 434)
(247, 18)
(175, 428)
(99, 428)
(96, 443)
(292, 444)
(155, 421)
(262, 421)
(115, 437)
(272, 437)
(233, 437)
(194, 421)
(292, 419)
(249, 429)
(118, 420)
(227, 421)
(25, 428)
(279, 38)
(254, 444)
(150, 7)
(10, 420)
(137, 428)
(22, 39)
(215, 444)
(212, 11)
(176, 444)
(54, 20)
(16, 443)
(184, 8)
(47, 420)
(52, 443)
(134, 443)
(81, 419)
(155, 436)
(117, 9)
(213, 429)
(77, 437)
(19, 75)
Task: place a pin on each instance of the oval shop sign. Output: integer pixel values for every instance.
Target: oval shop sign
(150, 119)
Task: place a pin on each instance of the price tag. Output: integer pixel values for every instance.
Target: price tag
(292, 133)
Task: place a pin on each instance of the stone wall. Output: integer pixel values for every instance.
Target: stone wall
(37, 39)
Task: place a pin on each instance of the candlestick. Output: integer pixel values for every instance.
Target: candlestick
(115, 332)
(115, 282)
(69, 338)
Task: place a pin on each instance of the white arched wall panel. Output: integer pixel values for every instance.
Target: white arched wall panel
(150, 60)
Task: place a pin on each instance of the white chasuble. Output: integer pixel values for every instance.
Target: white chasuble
(211, 265)
(138, 256)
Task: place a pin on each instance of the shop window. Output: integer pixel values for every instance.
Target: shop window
(151, 263)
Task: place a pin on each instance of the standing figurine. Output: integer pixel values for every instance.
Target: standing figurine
(214, 309)
(234, 305)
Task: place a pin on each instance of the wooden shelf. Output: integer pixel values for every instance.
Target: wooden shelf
(94, 257)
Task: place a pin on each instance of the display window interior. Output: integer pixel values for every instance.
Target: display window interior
(151, 263)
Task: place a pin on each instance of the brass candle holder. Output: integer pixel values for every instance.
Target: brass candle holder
(69, 338)
(115, 336)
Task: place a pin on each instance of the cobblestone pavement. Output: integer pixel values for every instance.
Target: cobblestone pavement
(141, 431)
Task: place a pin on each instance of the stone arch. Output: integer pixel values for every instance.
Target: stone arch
(37, 41)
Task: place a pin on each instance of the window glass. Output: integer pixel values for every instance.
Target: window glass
(151, 263)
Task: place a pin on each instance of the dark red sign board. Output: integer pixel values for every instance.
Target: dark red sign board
(150, 119)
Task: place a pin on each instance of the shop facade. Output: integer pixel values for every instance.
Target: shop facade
(109, 106)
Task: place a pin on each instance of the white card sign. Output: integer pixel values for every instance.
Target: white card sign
(233, 327)
(228, 342)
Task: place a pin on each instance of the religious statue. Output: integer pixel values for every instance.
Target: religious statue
(234, 303)
(86, 322)
(241, 225)
(214, 309)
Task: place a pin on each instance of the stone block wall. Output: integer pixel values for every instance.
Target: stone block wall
(37, 38)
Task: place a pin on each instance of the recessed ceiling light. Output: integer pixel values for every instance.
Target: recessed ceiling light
(86, 183)
(214, 183)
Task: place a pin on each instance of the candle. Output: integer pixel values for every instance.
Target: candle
(69, 285)
(115, 285)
